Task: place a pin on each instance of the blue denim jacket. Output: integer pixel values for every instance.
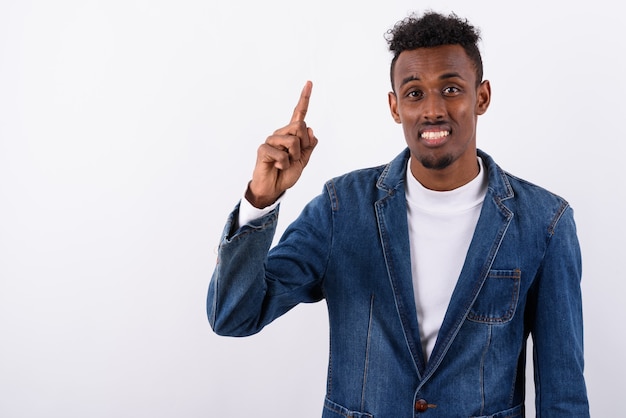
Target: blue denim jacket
(350, 246)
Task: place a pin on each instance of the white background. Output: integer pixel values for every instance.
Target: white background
(128, 130)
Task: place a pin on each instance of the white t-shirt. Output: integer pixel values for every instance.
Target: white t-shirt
(441, 226)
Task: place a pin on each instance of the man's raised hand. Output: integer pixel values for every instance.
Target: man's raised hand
(283, 156)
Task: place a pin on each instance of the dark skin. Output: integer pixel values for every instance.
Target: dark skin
(435, 98)
(283, 156)
(437, 101)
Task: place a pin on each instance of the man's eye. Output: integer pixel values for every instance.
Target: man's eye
(416, 94)
(451, 90)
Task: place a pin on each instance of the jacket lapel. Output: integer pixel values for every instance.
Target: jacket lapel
(490, 230)
(393, 231)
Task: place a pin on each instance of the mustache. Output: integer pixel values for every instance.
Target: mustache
(436, 123)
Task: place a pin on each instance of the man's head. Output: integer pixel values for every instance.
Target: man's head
(438, 94)
(433, 29)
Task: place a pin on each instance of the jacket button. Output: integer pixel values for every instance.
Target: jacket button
(423, 406)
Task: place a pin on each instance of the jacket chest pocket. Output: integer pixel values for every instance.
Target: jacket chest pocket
(498, 297)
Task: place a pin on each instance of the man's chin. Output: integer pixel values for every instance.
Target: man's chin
(436, 163)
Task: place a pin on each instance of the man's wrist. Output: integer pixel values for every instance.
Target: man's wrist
(259, 202)
(249, 212)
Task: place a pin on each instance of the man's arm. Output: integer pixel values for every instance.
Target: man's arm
(237, 289)
(238, 302)
(558, 327)
(250, 288)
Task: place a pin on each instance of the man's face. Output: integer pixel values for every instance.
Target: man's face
(437, 102)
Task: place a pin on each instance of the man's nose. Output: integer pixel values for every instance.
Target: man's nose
(434, 107)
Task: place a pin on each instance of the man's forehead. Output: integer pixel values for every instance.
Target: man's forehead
(452, 54)
(446, 61)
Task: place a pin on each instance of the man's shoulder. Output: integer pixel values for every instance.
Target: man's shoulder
(507, 185)
(527, 190)
(366, 174)
(532, 204)
(383, 175)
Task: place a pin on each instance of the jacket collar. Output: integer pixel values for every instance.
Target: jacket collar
(393, 176)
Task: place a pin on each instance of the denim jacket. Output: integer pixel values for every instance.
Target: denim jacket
(350, 246)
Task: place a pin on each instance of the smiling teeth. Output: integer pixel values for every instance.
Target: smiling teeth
(435, 135)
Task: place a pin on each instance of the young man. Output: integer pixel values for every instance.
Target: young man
(435, 267)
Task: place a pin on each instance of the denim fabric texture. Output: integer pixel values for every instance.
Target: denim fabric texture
(350, 247)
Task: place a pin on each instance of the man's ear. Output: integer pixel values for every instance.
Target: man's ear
(483, 97)
(393, 106)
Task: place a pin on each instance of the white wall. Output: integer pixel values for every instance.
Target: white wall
(128, 130)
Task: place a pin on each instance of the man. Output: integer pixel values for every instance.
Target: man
(435, 267)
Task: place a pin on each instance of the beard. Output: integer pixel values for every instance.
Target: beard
(434, 163)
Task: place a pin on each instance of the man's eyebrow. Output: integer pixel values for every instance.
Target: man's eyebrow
(409, 79)
(451, 75)
(444, 76)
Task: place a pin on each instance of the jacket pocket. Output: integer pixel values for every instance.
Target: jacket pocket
(333, 410)
(515, 412)
(498, 297)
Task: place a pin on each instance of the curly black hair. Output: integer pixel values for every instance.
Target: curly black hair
(434, 29)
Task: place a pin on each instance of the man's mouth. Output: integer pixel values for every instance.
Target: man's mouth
(434, 135)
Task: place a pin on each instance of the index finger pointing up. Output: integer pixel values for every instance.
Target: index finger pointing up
(299, 113)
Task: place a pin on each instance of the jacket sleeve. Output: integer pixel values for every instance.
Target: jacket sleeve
(557, 326)
(253, 285)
